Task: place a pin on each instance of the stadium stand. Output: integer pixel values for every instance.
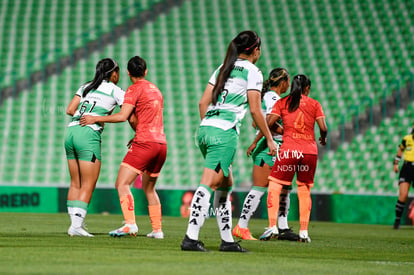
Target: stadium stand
(351, 50)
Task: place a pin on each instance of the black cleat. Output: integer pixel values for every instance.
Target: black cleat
(192, 245)
(397, 224)
(231, 247)
(287, 235)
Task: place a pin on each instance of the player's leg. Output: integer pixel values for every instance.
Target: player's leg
(125, 177)
(273, 196)
(252, 200)
(200, 205)
(400, 205)
(305, 176)
(74, 187)
(285, 233)
(154, 206)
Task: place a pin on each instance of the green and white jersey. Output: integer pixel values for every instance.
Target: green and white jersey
(268, 101)
(99, 102)
(232, 102)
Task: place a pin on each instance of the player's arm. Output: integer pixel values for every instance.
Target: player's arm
(254, 98)
(73, 105)
(121, 116)
(397, 159)
(259, 136)
(133, 121)
(323, 130)
(205, 100)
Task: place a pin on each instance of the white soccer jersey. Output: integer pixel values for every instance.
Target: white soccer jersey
(99, 102)
(232, 102)
(268, 101)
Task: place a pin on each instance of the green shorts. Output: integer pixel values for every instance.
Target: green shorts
(218, 147)
(83, 143)
(260, 156)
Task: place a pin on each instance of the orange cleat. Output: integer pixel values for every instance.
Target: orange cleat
(243, 233)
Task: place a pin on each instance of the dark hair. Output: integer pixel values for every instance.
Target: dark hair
(104, 70)
(137, 66)
(276, 77)
(299, 83)
(245, 42)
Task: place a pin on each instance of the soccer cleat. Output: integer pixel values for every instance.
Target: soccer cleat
(127, 229)
(304, 237)
(192, 245)
(243, 233)
(270, 233)
(72, 231)
(397, 224)
(156, 235)
(231, 247)
(287, 234)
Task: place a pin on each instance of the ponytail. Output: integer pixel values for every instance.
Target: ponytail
(295, 93)
(245, 42)
(103, 71)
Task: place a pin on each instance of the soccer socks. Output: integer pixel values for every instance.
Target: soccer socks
(305, 206)
(155, 217)
(284, 205)
(222, 207)
(127, 206)
(250, 204)
(399, 209)
(199, 210)
(79, 210)
(273, 202)
(70, 205)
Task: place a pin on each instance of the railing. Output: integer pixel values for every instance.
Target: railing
(355, 110)
(55, 55)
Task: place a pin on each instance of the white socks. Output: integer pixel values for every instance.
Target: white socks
(199, 210)
(222, 207)
(250, 204)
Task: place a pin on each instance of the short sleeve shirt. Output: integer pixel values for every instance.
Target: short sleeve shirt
(299, 126)
(148, 102)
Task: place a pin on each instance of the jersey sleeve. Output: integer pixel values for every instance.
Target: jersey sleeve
(119, 95)
(79, 92)
(319, 110)
(277, 108)
(255, 80)
(213, 77)
(270, 101)
(131, 96)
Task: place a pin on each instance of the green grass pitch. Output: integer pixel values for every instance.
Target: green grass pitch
(38, 244)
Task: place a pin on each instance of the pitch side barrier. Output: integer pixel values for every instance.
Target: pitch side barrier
(340, 208)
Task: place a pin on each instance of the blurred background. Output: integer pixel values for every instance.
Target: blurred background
(359, 55)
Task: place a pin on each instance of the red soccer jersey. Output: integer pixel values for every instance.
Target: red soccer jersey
(148, 102)
(299, 126)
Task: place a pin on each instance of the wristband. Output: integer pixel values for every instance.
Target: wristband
(397, 159)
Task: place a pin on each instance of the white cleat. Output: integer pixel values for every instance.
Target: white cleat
(127, 229)
(304, 237)
(270, 233)
(156, 235)
(72, 231)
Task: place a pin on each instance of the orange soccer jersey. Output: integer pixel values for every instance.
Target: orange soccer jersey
(148, 102)
(299, 126)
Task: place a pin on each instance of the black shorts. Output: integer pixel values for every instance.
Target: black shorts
(407, 173)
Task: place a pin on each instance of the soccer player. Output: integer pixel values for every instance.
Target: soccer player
(232, 88)
(83, 144)
(298, 153)
(406, 177)
(273, 87)
(147, 154)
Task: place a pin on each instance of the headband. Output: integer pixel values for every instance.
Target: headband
(115, 66)
(254, 44)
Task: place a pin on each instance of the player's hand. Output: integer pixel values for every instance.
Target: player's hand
(251, 149)
(322, 141)
(85, 120)
(273, 147)
(395, 168)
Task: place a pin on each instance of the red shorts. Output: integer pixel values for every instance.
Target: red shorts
(146, 157)
(286, 166)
